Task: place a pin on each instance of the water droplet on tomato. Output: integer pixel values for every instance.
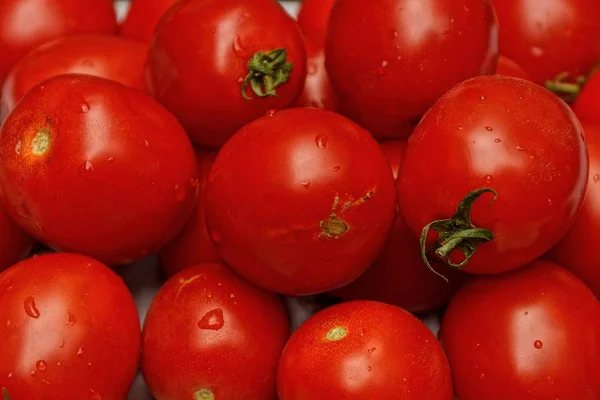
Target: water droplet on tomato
(550, 202)
(312, 68)
(369, 368)
(526, 312)
(488, 179)
(238, 47)
(110, 160)
(394, 34)
(41, 365)
(489, 128)
(497, 140)
(179, 193)
(33, 373)
(87, 63)
(80, 351)
(31, 308)
(371, 350)
(538, 344)
(336, 168)
(10, 374)
(89, 166)
(271, 112)
(8, 322)
(460, 128)
(596, 178)
(71, 320)
(520, 148)
(62, 343)
(18, 148)
(77, 103)
(146, 143)
(482, 97)
(95, 395)
(212, 320)
(305, 184)
(537, 51)
(215, 236)
(321, 141)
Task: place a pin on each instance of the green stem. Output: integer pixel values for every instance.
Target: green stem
(266, 71)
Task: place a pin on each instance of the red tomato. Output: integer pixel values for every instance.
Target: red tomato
(28, 24)
(499, 134)
(14, 243)
(69, 330)
(363, 349)
(218, 88)
(223, 342)
(110, 57)
(300, 201)
(398, 276)
(317, 88)
(93, 167)
(577, 250)
(313, 18)
(528, 335)
(388, 64)
(587, 104)
(550, 37)
(508, 67)
(193, 245)
(143, 17)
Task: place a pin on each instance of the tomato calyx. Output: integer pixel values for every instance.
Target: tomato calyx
(266, 71)
(565, 89)
(5, 394)
(204, 394)
(457, 233)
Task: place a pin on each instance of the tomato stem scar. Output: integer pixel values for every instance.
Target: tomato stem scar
(337, 333)
(41, 142)
(266, 71)
(204, 394)
(5, 394)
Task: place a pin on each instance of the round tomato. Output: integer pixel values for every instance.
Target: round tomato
(28, 24)
(14, 242)
(508, 67)
(300, 201)
(313, 18)
(530, 334)
(388, 64)
(577, 250)
(587, 104)
(248, 58)
(363, 349)
(498, 169)
(69, 330)
(110, 57)
(550, 37)
(317, 88)
(93, 167)
(223, 342)
(193, 245)
(398, 276)
(143, 17)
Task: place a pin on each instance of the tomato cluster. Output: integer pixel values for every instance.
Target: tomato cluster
(380, 162)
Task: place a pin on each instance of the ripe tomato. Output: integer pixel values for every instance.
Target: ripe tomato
(193, 245)
(550, 37)
(249, 58)
(499, 134)
(508, 67)
(143, 17)
(388, 64)
(363, 349)
(29, 24)
(317, 88)
(313, 18)
(14, 243)
(398, 276)
(69, 330)
(587, 104)
(577, 250)
(300, 201)
(530, 334)
(223, 342)
(110, 57)
(93, 167)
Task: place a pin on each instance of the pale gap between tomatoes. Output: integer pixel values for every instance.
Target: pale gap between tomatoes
(334, 226)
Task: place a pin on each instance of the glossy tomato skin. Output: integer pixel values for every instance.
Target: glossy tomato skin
(223, 342)
(300, 201)
(93, 167)
(388, 64)
(363, 349)
(530, 334)
(203, 88)
(550, 37)
(70, 330)
(508, 67)
(587, 103)
(110, 57)
(577, 250)
(313, 19)
(14, 242)
(143, 17)
(27, 25)
(399, 276)
(193, 244)
(317, 90)
(510, 135)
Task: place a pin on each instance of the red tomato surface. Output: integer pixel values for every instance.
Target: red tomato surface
(577, 250)
(15, 243)
(587, 104)
(509, 135)
(399, 276)
(193, 244)
(531, 334)
(69, 330)
(110, 57)
(93, 167)
(204, 88)
(317, 88)
(508, 67)
(223, 342)
(388, 64)
(300, 201)
(143, 17)
(27, 24)
(550, 37)
(313, 18)
(364, 349)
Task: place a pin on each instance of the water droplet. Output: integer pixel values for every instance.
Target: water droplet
(489, 128)
(95, 395)
(537, 51)
(71, 320)
(215, 236)
(212, 320)
(321, 141)
(232, 296)
(312, 68)
(80, 351)
(77, 103)
(179, 193)
(30, 308)
(305, 184)
(10, 374)
(271, 112)
(596, 178)
(482, 97)
(460, 128)
(497, 140)
(110, 160)
(394, 34)
(369, 368)
(41, 365)
(384, 64)
(526, 312)
(238, 46)
(336, 168)
(520, 148)
(146, 143)
(482, 376)
(8, 322)
(371, 350)
(59, 364)
(18, 148)
(89, 166)
(538, 344)
(62, 343)
(550, 202)
(214, 30)
(488, 179)
(87, 63)
(33, 373)
(90, 364)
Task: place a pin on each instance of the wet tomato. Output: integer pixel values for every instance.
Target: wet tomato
(313, 18)
(249, 59)
(398, 276)
(363, 349)
(508, 67)
(388, 64)
(530, 334)
(16, 244)
(69, 330)
(223, 342)
(143, 17)
(94, 167)
(300, 201)
(489, 135)
(110, 57)
(26, 25)
(317, 88)
(193, 244)
(587, 104)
